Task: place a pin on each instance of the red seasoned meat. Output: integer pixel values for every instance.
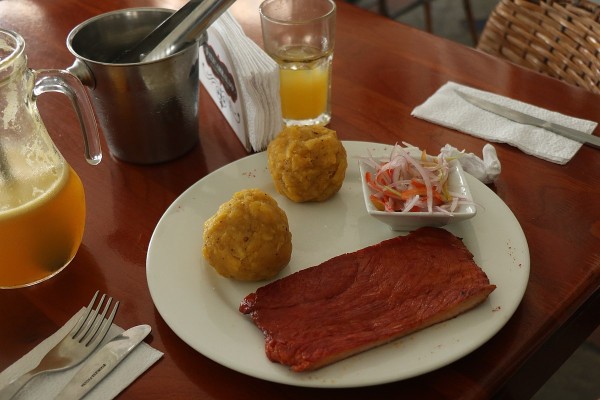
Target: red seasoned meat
(356, 301)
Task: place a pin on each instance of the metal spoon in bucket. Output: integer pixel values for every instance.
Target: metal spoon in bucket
(179, 30)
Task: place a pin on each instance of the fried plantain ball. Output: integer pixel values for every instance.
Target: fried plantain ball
(248, 239)
(307, 163)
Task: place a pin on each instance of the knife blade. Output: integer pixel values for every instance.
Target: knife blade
(526, 119)
(103, 362)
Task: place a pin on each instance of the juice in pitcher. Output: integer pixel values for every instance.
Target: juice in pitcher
(42, 203)
(41, 225)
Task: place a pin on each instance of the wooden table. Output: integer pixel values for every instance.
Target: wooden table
(382, 70)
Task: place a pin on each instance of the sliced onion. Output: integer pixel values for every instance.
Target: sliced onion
(397, 174)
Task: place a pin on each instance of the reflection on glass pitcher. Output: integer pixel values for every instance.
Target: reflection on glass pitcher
(42, 202)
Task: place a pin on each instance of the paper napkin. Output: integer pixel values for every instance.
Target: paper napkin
(447, 108)
(47, 386)
(243, 81)
(486, 169)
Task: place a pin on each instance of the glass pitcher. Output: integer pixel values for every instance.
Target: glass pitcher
(42, 202)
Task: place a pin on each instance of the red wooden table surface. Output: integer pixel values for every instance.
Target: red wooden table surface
(382, 70)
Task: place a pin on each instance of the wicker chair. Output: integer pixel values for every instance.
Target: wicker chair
(559, 38)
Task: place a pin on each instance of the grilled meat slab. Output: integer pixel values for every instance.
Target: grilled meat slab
(356, 301)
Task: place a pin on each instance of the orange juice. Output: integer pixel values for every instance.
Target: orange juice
(305, 85)
(41, 226)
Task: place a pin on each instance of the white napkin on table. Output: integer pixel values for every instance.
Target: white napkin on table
(447, 108)
(47, 386)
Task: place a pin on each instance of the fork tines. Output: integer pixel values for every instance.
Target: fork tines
(92, 326)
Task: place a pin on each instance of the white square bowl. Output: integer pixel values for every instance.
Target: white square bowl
(408, 221)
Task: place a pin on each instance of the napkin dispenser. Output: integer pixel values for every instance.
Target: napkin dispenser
(243, 81)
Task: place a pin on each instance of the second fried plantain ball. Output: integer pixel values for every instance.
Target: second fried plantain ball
(307, 163)
(248, 239)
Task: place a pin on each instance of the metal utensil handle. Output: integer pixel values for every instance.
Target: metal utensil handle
(148, 43)
(190, 29)
(10, 390)
(572, 134)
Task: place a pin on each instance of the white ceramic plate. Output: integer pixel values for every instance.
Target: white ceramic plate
(202, 307)
(400, 221)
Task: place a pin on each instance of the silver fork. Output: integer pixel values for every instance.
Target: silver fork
(75, 347)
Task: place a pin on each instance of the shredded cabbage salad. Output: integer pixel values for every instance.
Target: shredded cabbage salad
(403, 183)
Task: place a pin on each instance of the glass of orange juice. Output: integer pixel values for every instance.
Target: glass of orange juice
(300, 36)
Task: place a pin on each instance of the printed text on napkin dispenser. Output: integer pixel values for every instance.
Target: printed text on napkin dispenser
(219, 78)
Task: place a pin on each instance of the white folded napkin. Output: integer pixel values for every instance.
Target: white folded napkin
(253, 109)
(447, 108)
(47, 386)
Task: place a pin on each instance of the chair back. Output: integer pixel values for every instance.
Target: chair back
(559, 38)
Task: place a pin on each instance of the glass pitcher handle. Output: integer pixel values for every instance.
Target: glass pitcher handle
(54, 80)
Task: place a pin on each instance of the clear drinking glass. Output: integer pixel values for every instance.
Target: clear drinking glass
(300, 35)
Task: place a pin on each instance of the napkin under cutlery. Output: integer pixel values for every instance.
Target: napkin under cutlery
(47, 386)
(445, 107)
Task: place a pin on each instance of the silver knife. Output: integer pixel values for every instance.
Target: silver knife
(522, 118)
(103, 361)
